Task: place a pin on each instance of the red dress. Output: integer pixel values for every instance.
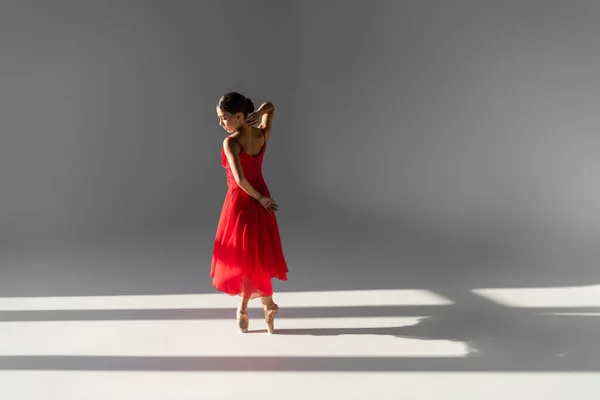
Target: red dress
(247, 251)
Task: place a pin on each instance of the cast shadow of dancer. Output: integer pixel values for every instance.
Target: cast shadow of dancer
(497, 337)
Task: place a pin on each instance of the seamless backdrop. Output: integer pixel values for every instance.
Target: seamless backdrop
(461, 131)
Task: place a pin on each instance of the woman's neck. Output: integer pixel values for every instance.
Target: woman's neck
(244, 130)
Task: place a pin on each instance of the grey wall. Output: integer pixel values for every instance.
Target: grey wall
(107, 112)
(465, 118)
(470, 119)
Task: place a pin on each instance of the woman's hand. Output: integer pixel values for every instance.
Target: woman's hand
(254, 118)
(268, 203)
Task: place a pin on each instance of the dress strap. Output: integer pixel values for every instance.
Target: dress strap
(242, 147)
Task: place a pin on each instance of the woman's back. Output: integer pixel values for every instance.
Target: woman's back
(250, 161)
(252, 143)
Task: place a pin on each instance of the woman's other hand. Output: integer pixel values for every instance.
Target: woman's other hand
(253, 118)
(268, 203)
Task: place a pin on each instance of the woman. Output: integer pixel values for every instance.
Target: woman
(247, 251)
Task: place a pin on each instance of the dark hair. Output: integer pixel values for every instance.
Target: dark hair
(234, 103)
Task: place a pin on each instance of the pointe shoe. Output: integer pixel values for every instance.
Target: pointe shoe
(242, 319)
(270, 317)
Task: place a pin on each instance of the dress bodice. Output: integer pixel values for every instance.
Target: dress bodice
(251, 167)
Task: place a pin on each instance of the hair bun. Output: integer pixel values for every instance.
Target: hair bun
(249, 106)
(234, 103)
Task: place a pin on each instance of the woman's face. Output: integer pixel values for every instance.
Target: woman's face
(229, 122)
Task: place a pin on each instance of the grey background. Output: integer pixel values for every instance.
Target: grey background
(108, 119)
(417, 144)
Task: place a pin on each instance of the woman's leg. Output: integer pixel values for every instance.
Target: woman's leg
(270, 310)
(267, 301)
(243, 303)
(242, 315)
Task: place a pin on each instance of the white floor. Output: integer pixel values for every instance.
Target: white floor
(187, 347)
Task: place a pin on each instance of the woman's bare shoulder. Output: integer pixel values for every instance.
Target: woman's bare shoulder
(256, 131)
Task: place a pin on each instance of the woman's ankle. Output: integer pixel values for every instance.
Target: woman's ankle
(243, 306)
(270, 306)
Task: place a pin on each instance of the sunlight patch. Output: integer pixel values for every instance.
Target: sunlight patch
(581, 296)
(306, 337)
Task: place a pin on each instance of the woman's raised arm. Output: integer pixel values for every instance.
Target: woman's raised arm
(266, 111)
